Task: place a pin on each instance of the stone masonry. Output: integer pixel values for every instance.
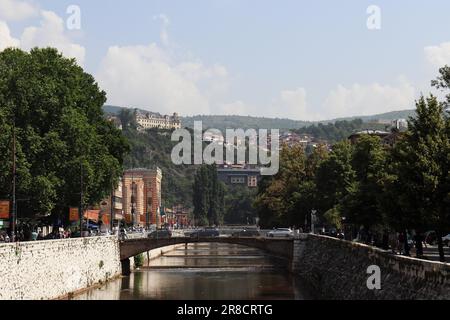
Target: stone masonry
(53, 269)
(337, 269)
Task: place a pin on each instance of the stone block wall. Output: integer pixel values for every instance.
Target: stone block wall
(336, 269)
(53, 269)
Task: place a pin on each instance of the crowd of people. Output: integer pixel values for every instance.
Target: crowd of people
(37, 234)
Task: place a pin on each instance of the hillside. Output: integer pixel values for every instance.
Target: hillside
(243, 122)
(389, 116)
(222, 122)
(152, 149)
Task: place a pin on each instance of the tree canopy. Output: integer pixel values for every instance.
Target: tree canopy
(55, 109)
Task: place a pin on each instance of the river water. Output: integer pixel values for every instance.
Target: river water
(206, 271)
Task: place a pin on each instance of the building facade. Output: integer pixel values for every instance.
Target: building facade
(150, 120)
(142, 197)
(240, 176)
(114, 201)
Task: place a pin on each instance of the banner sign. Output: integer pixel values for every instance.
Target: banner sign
(92, 215)
(74, 214)
(105, 219)
(4, 209)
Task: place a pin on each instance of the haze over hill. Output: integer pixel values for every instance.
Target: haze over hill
(222, 122)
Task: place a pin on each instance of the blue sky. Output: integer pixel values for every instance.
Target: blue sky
(306, 60)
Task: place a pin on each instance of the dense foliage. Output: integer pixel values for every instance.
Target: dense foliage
(208, 197)
(153, 148)
(61, 133)
(370, 185)
(340, 130)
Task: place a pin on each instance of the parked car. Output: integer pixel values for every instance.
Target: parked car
(205, 233)
(246, 233)
(281, 233)
(446, 240)
(431, 237)
(160, 234)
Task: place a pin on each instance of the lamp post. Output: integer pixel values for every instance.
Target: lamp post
(81, 199)
(313, 220)
(13, 215)
(112, 204)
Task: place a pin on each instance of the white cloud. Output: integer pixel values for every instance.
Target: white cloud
(294, 105)
(369, 99)
(51, 33)
(6, 40)
(15, 10)
(236, 108)
(438, 56)
(148, 77)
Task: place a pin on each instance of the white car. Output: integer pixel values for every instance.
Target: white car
(446, 240)
(281, 233)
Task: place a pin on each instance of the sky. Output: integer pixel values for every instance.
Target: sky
(303, 60)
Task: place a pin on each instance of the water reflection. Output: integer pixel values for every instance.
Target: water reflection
(206, 272)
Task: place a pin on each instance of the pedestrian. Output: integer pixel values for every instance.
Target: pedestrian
(393, 242)
(385, 240)
(401, 242)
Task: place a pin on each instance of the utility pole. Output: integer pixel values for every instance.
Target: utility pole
(81, 199)
(14, 213)
(133, 196)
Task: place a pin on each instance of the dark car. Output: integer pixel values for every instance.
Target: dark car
(160, 234)
(205, 233)
(246, 233)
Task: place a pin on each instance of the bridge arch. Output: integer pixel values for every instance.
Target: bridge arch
(282, 248)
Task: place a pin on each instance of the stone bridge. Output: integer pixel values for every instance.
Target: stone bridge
(278, 247)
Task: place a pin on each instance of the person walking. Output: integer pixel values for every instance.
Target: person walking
(393, 242)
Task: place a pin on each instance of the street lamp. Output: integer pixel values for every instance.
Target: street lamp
(313, 220)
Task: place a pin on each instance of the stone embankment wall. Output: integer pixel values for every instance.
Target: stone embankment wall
(337, 269)
(53, 269)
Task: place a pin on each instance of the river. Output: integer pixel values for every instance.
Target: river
(206, 271)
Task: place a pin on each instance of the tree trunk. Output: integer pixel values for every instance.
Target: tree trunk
(406, 244)
(419, 246)
(440, 247)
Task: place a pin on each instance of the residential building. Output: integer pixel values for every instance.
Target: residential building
(151, 120)
(387, 138)
(243, 176)
(115, 201)
(400, 124)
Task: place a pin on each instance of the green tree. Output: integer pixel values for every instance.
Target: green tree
(61, 132)
(239, 205)
(208, 196)
(361, 205)
(335, 177)
(127, 118)
(421, 172)
(278, 195)
(289, 197)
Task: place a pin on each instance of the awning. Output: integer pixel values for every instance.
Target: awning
(92, 215)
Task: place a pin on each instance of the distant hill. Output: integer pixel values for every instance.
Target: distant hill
(222, 122)
(244, 122)
(393, 115)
